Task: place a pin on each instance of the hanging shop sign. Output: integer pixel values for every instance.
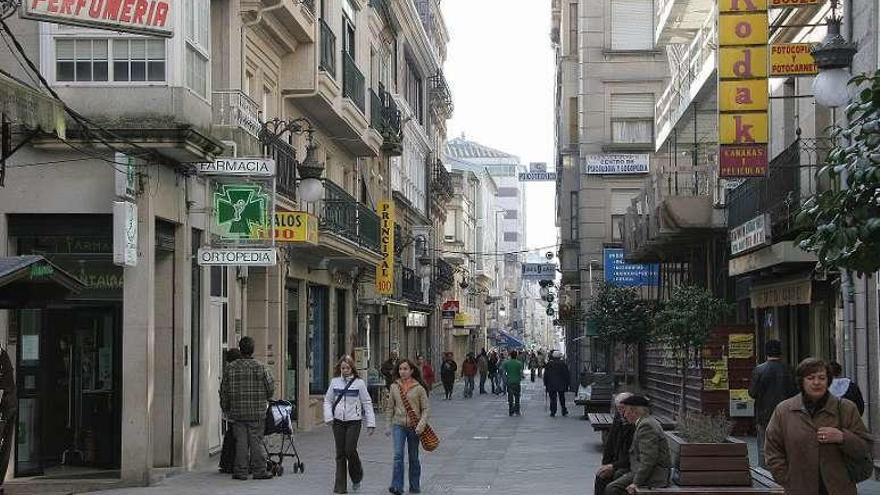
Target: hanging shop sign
(296, 226)
(242, 212)
(250, 167)
(783, 4)
(619, 272)
(464, 319)
(416, 319)
(617, 164)
(537, 176)
(237, 257)
(743, 130)
(125, 233)
(792, 59)
(150, 17)
(538, 270)
(385, 269)
(125, 177)
(753, 234)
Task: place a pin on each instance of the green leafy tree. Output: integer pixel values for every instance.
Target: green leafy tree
(841, 224)
(683, 323)
(621, 317)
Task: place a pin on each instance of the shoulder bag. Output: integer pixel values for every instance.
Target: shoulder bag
(429, 439)
(859, 469)
(339, 398)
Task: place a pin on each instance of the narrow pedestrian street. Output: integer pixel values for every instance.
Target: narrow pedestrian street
(482, 450)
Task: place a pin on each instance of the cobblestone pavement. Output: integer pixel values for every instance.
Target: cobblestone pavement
(482, 451)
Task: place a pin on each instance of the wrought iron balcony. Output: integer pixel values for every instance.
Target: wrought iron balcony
(441, 97)
(353, 82)
(385, 118)
(328, 49)
(444, 275)
(441, 183)
(234, 108)
(782, 192)
(343, 215)
(411, 285)
(285, 165)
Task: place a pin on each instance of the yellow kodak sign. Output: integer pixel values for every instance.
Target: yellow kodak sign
(742, 128)
(726, 6)
(792, 59)
(385, 270)
(743, 96)
(742, 62)
(296, 226)
(743, 29)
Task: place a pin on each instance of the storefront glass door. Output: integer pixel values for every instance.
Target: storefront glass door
(68, 369)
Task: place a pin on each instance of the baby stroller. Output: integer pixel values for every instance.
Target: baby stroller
(279, 421)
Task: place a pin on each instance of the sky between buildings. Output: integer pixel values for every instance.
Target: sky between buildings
(501, 71)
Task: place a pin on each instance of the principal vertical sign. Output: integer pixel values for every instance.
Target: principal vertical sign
(743, 101)
(385, 270)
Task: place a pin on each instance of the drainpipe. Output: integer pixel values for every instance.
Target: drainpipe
(249, 24)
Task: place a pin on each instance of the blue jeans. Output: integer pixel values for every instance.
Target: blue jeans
(406, 438)
(468, 386)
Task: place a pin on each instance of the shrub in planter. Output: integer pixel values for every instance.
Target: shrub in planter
(703, 453)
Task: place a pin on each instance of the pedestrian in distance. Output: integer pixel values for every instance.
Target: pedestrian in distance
(556, 382)
(615, 451)
(492, 367)
(468, 373)
(816, 443)
(347, 404)
(483, 369)
(844, 388)
(408, 391)
(772, 383)
(502, 374)
(447, 374)
(542, 361)
(513, 370)
(649, 459)
(227, 454)
(388, 368)
(428, 375)
(533, 365)
(245, 390)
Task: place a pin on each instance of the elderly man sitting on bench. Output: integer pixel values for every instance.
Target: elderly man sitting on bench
(649, 459)
(615, 452)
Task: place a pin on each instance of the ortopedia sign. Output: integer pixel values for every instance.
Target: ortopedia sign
(150, 17)
(238, 257)
(239, 166)
(296, 226)
(792, 59)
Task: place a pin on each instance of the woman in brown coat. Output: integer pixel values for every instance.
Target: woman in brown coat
(812, 436)
(407, 391)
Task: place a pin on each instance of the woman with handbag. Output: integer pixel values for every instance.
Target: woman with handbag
(410, 409)
(347, 404)
(817, 444)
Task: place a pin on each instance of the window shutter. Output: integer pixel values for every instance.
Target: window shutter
(621, 199)
(632, 106)
(632, 24)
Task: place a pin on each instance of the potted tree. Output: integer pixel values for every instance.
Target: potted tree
(704, 453)
(621, 317)
(683, 324)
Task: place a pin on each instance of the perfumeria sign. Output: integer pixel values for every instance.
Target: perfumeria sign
(151, 17)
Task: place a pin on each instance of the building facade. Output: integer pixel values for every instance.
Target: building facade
(213, 91)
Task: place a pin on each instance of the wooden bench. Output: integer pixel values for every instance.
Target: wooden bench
(600, 399)
(602, 422)
(762, 483)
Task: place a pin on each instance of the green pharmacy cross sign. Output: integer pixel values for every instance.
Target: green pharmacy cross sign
(241, 211)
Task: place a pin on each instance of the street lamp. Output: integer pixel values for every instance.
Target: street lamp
(311, 188)
(833, 56)
(424, 257)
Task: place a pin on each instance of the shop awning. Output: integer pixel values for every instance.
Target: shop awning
(33, 281)
(31, 108)
(507, 340)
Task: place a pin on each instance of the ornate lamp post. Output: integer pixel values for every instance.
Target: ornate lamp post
(833, 55)
(311, 188)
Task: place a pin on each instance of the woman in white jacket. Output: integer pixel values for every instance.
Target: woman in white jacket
(346, 404)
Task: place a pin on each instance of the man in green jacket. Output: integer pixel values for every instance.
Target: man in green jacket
(649, 459)
(513, 368)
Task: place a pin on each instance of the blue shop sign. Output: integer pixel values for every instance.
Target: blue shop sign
(621, 273)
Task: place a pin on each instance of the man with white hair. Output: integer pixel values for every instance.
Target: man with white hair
(557, 380)
(615, 452)
(649, 460)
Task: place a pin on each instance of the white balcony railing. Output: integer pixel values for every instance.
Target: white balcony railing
(233, 108)
(690, 70)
